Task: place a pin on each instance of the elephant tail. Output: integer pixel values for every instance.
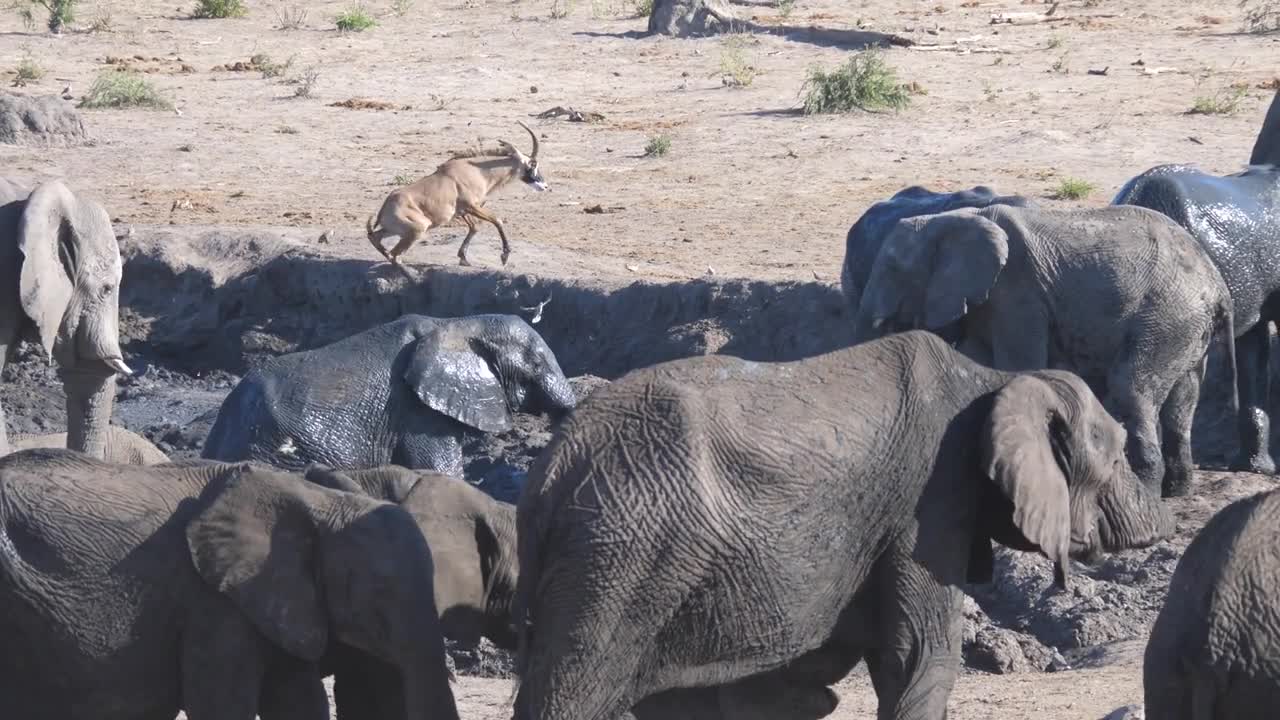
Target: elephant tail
(1224, 330)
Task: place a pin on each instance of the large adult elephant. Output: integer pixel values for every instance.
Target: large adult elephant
(1236, 218)
(868, 233)
(133, 592)
(402, 393)
(1121, 296)
(799, 517)
(472, 539)
(1212, 652)
(60, 276)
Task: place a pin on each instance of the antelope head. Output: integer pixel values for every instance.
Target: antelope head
(529, 172)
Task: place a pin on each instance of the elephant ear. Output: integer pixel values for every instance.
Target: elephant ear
(254, 540)
(450, 373)
(1266, 150)
(53, 236)
(1018, 456)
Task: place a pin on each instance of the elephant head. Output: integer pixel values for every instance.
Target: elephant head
(931, 270)
(308, 566)
(1266, 150)
(483, 369)
(1064, 485)
(69, 290)
(472, 539)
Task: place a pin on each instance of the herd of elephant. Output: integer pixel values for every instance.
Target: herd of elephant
(708, 538)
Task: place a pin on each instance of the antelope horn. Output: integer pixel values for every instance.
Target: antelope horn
(533, 135)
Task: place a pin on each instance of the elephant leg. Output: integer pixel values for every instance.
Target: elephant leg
(1134, 401)
(1253, 382)
(222, 669)
(917, 654)
(1176, 414)
(293, 692)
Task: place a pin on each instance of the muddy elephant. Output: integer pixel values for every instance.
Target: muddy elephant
(472, 539)
(60, 273)
(403, 393)
(799, 517)
(867, 235)
(123, 446)
(1212, 651)
(1236, 219)
(1121, 296)
(133, 592)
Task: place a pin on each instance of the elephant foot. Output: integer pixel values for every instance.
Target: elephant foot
(1258, 463)
(1175, 487)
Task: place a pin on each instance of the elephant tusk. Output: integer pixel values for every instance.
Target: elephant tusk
(118, 365)
(875, 324)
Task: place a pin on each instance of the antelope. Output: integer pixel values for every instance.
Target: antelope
(457, 189)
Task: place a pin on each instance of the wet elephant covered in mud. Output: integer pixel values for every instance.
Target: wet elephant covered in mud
(1236, 219)
(798, 518)
(402, 393)
(60, 272)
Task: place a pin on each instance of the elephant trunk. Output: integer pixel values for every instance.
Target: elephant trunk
(867, 328)
(90, 398)
(1132, 515)
(421, 657)
(557, 396)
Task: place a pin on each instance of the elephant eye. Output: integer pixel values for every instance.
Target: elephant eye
(105, 290)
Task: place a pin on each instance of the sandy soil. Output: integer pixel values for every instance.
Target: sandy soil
(748, 188)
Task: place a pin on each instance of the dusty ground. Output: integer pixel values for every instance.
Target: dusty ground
(749, 188)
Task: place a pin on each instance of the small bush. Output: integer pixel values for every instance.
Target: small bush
(355, 18)
(1223, 102)
(784, 8)
(736, 69)
(401, 7)
(291, 18)
(865, 82)
(1073, 189)
(1261, 16)
(657, 146)
(103, 21)
(269, 67)
(643, 8)
(560, 9)
(219, 9)
(123, 89)
(27, 71)
(61, 13)
(306, 83)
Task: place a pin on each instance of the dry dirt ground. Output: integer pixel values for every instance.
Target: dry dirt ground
(749, 188)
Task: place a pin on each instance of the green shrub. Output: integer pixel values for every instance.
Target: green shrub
(356, 18)
(123, 89)
(218, 9)
(657, 146)
(864, 82)
(1073, 189)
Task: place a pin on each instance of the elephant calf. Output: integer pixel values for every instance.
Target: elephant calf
(1121, 296)
(472, 539)
(748, 532)
(403, 393)
(1214, 651)
(132, 592)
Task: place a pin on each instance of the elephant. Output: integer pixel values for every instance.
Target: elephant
(401, 393)
(123, 447)
(1212, 651)
(60, 274)
(132, 592)
(1236, 219)
(716, 526)
(472, 539)
(1121, 296)
(863, 242)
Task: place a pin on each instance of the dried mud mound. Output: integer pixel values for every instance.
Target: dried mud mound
(199, 308)
(45, 121)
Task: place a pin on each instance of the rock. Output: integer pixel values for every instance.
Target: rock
(47, 120)
(1128, 712)
(690, 18)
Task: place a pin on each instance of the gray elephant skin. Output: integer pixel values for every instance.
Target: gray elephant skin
(472, 539)
(797, 518)
(132, 592)
(123, 446)
(1236, 218)
(1212, 651)
(1121, 296)
(867, 235)
(403, 393)
(60, 273)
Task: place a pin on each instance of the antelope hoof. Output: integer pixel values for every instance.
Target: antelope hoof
(505, 255)
(462, 260)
